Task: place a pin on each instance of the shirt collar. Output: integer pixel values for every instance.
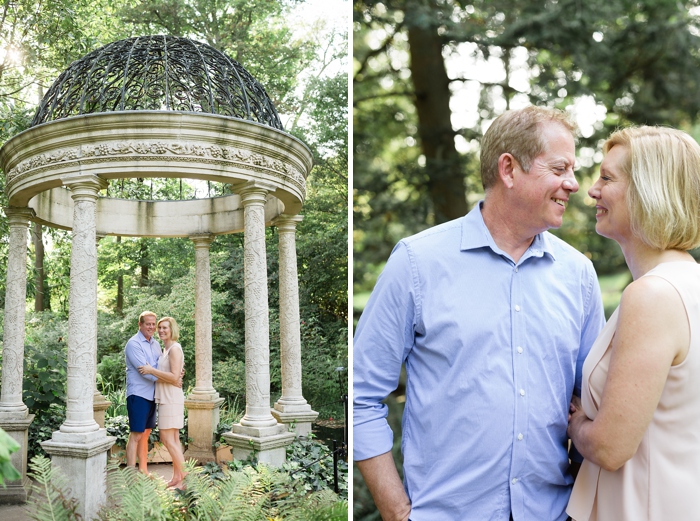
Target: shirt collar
(143, 338)
(476, 235)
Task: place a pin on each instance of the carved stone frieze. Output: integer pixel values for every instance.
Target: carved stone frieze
(157, 150)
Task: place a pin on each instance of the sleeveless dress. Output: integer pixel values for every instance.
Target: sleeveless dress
(170, 399)
(661, 482)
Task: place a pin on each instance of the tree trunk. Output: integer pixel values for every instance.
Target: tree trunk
(120, 283)
(143, 281)
(443, 164)
(40, 275)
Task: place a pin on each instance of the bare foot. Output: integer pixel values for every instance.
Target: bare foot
(179, 485)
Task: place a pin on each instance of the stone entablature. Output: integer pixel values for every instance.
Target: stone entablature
(130, 218)
(130, 144)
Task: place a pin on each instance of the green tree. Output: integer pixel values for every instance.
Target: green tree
(406, 96)
(253, 33)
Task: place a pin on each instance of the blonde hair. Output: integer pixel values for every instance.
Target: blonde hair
(663, 196)
(145, 314)
(517, 132)
(174, 328)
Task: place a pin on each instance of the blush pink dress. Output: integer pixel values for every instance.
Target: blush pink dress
(170, 399)
(661, 482)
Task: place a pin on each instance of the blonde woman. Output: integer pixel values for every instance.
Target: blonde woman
(638, 421)
(169, 397)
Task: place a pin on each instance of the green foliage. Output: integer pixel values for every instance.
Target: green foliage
(111, 373)
(45, 362)
(7, 446)
(118, 426)
(228, 378)
(570, 52)
(137, 497)
(49, 497)
(253, 33)
(45, 423)
(257, 493)
(311, 462)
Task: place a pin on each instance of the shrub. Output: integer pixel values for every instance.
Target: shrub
(228, 378)
(45, 423)
(111, 373)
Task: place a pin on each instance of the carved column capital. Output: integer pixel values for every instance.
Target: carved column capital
(287, 223)
(203, 240)
(18, 215)
(255, 192)
(84, 186)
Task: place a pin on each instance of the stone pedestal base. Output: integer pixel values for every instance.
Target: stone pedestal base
(99, 405)
(203, 419)
(268, 443)
(82, 459)
(298, 418)
(16, 428)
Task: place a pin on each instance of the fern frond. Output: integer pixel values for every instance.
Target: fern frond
(138, 497)
(50, 499)
(221, 499)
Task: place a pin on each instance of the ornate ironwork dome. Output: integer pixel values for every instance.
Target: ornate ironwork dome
(164, 73)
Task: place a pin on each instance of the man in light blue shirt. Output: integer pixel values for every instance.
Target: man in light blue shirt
(141, 349)
(492, 317)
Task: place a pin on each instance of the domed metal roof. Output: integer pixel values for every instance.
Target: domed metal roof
(157, 73)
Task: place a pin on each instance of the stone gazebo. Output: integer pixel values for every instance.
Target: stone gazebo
(156, 106)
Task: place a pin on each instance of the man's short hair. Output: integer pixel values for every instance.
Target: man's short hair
(174, 328)
(145, 314)
(517, 132)
(663, 196)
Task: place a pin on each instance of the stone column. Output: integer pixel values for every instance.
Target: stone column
(78, 448)
(99, 403)
(258, 429)
(291, 409)
(203, 402)
(14, 415)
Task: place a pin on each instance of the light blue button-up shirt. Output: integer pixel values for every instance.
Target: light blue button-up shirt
(493, 352)
(138, 352)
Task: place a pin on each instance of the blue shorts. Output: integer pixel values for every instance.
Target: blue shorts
(142, 413)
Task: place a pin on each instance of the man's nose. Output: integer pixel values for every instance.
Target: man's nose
(570, 183)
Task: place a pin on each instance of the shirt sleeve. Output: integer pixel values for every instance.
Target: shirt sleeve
(594, 320)
(383, 338)
(135, 357)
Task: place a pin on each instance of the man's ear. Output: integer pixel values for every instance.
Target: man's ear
(506, 166)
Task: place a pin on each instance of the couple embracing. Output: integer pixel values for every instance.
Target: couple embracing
(154, 376)
(500, 327)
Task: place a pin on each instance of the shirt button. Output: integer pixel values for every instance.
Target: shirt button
(516, 269)
(514, 481)
(520, 350)
(520, 437)
(517, 308)
(522, 392)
